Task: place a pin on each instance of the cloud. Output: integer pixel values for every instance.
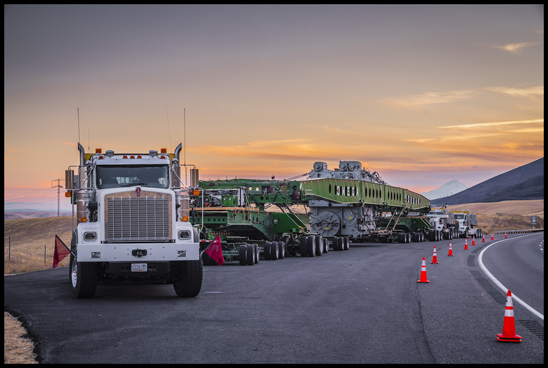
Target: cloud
(493, 124)
(519, 92)
(430, 98)
(515, 48)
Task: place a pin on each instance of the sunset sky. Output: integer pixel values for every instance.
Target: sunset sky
(421, 94)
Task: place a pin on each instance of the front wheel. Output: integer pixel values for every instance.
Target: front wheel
(191, 274)
(83, 278)
(82, 275)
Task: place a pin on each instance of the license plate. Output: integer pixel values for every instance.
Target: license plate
(138, 267)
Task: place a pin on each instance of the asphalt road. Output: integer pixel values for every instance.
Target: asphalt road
(363, 305)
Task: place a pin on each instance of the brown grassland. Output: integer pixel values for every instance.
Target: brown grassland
(30, 235)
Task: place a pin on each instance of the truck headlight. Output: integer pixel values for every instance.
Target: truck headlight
(184, 234)
(90, 236)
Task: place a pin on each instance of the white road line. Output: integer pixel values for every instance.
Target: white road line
(501, 286)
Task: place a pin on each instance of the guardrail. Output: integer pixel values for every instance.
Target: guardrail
(518, 231)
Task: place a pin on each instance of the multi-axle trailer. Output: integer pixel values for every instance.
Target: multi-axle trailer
(255, 217)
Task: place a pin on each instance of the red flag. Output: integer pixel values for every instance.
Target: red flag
(61, 251)
(215, 251)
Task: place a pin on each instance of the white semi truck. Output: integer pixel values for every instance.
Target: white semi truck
(465, 222)
(132, 223)
(443, 224)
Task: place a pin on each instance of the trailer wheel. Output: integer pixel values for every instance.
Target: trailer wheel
(191, 275)
(243, 254)
(325, 245)
(310, 246)
(302, 246)
(281, 249)
(274, 251)
(266, 251)
(250, 254)
(319, 245)
(256, 246)
(83, 275)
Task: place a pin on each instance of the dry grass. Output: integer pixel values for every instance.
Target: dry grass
(507, 215)
(28, 238)
(17, 348)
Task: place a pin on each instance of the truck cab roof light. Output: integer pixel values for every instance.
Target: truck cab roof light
(163, 150)
(98, 150)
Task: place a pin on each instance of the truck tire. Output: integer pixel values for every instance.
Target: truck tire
(191, 275)
(267, 251)
(281, 249)
(250, 255)
(256, 252)
(274, 251)
(311, 246)
(335, 242)
(83, 275)
(319, 245)
(302, 246)
(325, 245)
(243, 255)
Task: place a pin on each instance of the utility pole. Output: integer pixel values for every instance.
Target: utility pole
(58, 192)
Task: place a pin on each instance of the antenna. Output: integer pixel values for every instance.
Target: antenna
(78, 111)
(184, 142)
(169, 130)
(88, 139)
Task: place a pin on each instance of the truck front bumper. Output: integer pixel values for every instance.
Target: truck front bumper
(138, 252)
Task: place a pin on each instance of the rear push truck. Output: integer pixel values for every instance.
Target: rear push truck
(132, 223)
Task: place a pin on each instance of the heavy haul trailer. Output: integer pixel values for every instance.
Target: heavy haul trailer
(273, 234)
(349, 203)
(355, 203)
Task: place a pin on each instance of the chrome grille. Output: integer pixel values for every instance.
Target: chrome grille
(129, 218)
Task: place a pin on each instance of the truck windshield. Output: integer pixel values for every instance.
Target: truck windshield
(459, 217)
(132, 175)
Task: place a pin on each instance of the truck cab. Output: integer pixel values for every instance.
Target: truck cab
(132, 223)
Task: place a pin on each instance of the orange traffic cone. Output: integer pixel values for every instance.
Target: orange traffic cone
(466, 244)
(505, 236)
(450, 250)
(423, 272)
(492, 236)
(435, 257)
(509, 328)
(483, 239)
(473, 240)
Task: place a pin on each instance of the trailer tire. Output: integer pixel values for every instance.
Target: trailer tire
(318, 240)
(311, 246)
(274, 251)
(266, 251)
(250, 255)
(302, 246)
(243, 255)
(325, 245)
(191, 276)
(281, 249)
(256, 246)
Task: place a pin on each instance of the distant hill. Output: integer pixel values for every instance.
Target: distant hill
(447, 189)
(14, 215)
(523, 183)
